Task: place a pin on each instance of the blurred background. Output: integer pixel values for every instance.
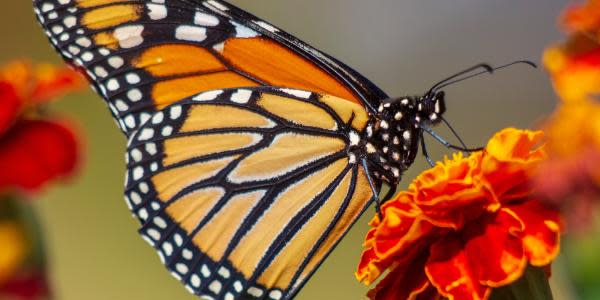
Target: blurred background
(403, 46)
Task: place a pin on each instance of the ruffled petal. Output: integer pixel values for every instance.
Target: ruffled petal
(449, 271)
(449, 194)
(34, 152)
(512, 156)
(541, 234)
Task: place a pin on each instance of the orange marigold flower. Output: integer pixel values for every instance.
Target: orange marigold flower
(33, 150)
(464, 227)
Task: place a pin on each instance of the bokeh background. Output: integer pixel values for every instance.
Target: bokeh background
(404, 46)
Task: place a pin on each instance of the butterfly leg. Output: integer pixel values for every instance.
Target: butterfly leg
(446, 143)
(372, 185)
(424, 149)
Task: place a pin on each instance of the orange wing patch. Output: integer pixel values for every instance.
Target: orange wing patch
(92, 3)
(172, 60)
(361, 196)
(110, 16)
(296, 111)
(188, 147)
(249, 251)
(170, 91)
(106, 39)
(171, 182)
(278, 274)
(278, 66)
(347, 110)
(218, 232)
(267, 163)
(201, 117)
(190, 209)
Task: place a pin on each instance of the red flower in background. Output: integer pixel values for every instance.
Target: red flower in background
(34, 150)
(464, 227)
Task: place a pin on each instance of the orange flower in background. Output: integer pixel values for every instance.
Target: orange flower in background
(464, 227)
(34, 150)
(570, 178)
(575, 65)
(583, 17)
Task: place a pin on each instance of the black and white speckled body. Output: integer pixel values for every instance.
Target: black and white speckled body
(390, 142)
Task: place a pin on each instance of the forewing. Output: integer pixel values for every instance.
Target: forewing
(142, 56)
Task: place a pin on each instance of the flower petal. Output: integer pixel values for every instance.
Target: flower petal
(34, 152)
(486, 254)
(541, 234)
(449, 271)
(403, 282)
(11, 105)
(512, 156)
(449, 194)
(54, 81)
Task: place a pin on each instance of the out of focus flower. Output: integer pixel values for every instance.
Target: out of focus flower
(570, 178)
(31, 285)
(464, 227)
(584, 17)
(575, 65)
(22, 265)
(14, 249)
(34, 150)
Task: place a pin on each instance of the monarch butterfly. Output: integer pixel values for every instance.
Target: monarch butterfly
(250, 153)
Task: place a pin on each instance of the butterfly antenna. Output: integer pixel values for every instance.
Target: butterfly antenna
(487, 69)
(450, 81)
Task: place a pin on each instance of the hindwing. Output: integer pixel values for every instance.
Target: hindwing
(244, 192)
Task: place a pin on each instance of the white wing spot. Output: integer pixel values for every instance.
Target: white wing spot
(129, 36)
(204, 19)
(190, 33)
(156, 11)
(241, 96)
(297, 93)
(207, 96)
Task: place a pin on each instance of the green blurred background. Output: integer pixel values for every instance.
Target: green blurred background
(404, 46)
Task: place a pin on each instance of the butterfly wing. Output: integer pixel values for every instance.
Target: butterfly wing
(244, 192)
(142, 56)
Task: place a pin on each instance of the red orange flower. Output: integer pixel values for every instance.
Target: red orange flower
(464, 227)
(33, 150)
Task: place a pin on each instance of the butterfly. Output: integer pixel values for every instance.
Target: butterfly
(250, 153)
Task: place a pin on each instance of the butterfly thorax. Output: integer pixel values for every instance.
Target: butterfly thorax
(392, 136)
